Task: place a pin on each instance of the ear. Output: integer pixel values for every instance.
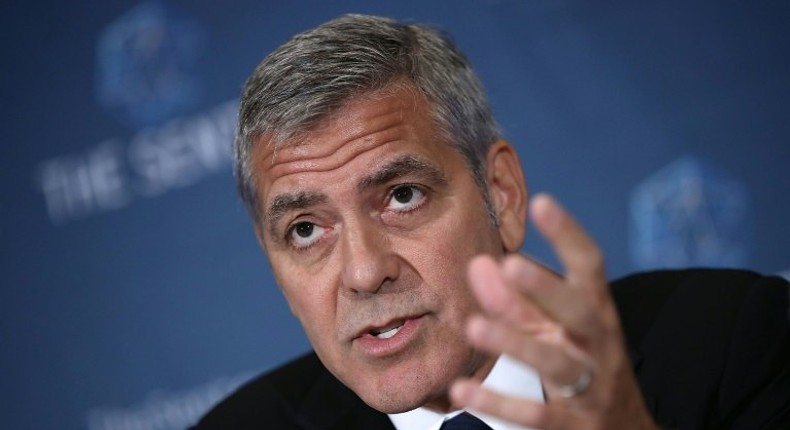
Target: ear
(508, 193)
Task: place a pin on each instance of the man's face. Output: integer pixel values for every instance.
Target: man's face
(369, 223)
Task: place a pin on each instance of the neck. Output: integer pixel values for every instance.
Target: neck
(478, 369)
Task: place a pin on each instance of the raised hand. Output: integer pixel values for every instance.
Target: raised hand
(564, 326)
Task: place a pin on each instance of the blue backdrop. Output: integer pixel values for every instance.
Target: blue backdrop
(132, 292)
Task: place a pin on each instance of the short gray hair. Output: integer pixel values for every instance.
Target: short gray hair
(316, 72)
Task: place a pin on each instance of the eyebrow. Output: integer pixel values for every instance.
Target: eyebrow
(287, 202)
(403, 166)
(399, 167)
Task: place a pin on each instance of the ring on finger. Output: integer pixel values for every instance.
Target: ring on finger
(579, 386)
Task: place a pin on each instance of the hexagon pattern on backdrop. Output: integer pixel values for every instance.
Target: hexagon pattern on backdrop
(690, 213)
(146, 62)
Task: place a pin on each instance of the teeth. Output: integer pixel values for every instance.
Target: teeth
(387, 333)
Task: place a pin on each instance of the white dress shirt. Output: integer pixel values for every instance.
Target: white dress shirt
(508, 376)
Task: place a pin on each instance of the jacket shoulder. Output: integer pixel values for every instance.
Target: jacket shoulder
(644, 298)
(301, 394)
(268, 401)
(711, 347)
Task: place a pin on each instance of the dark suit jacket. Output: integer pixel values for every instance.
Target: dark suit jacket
(710, 349)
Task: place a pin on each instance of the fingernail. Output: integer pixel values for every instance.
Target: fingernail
(546, 210)
(475, 328)
(478, 329)
(462, 392)
(479, 269)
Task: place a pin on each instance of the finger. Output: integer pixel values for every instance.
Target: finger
(497, 299)
(550, 357)
(576, 250)
(547, 290)
(470, 395)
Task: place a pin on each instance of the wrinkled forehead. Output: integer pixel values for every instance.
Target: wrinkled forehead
(340, 130)
(299, 135)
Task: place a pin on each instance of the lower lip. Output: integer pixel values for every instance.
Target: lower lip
(381, 348)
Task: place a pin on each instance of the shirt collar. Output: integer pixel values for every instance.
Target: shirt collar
(508, 376)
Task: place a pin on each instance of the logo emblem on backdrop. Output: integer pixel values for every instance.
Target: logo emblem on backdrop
(690, 213)
(147, 63)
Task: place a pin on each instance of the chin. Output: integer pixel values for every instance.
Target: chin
(420, 380)
(400, 392)
(391, 403)
(407, 393)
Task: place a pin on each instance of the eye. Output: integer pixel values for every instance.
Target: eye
(405, 198)
(304, 234)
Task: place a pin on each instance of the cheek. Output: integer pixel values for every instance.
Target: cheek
(310, 302)
(317, 318)
(443, 255)
(460, 235)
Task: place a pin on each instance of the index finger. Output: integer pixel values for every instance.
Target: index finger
(577, 251)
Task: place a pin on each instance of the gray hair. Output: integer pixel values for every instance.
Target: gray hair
(312, 75)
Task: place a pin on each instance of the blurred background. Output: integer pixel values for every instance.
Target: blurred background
(132, 292)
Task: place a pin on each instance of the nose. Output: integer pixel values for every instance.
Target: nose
(369, 263)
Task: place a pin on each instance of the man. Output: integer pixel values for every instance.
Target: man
(392, 210)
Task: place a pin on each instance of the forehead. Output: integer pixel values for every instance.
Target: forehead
(373, 127)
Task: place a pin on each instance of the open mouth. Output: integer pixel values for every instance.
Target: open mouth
(387, 332)
(388, 338)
